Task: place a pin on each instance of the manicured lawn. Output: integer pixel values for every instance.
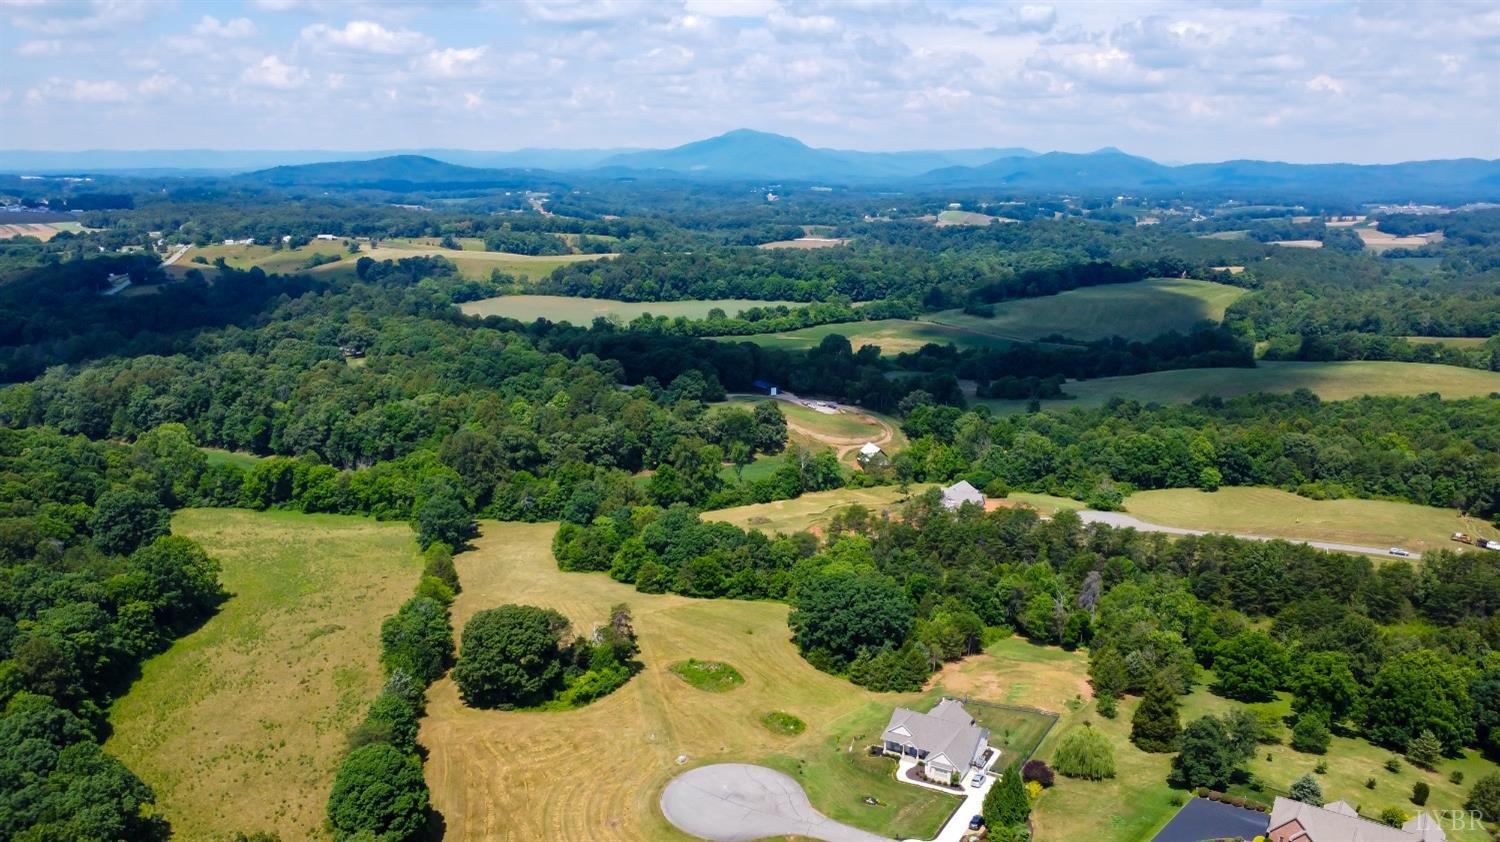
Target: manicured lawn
(1269, 511)
(1330, 381)
(583, 311)
(240, 725)
(1140, 310)
(713, 676)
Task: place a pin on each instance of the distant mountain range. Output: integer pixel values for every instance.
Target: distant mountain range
(745, 155)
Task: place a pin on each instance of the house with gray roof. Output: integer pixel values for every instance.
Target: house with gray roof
(961, 492)
(946, 737)
(1294, 821)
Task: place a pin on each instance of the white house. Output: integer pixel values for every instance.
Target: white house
(946, 737)
(869, 451)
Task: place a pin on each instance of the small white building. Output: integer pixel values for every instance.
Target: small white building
(327, 237)
(870, 450)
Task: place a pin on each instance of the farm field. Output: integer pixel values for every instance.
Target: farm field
(1450, 341)
(239, 726)
(478, 264)
(805, 243)
(1379, 241)
(961, 217)
(809, 510)
(582, 311)
(483, 765)
(1270, 511)
(268, 259)
(1330, 381)
(1140, 310)
(894, 336)
(43, 231)
(1137, 801)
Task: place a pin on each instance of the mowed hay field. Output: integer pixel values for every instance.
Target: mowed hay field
(240, 725)
(1330, 381)
(583, 311)
(1270, 511)
(809, 510)
(597, 773)
(473, 263)
(1135, 311)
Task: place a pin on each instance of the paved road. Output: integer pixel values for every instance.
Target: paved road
(735, 802)
(1202, 819)
(1122, 519)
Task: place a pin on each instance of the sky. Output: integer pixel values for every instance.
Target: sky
(1178, 82)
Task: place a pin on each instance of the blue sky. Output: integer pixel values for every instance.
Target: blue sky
(1359, 82)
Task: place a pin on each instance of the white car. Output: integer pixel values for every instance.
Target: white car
(977, 781)
(1397, 551)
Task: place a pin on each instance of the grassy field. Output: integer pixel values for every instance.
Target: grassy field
(1330, 381)
(583, 311)
(269, 259)
(596, 773)
(217, 456)
(239, 726)
(809, 510)
(1268, 511)
(961, 217)
(805, 243)
(478, 264)
(43, 231)
(1135, 311)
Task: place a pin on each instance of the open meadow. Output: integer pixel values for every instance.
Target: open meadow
(1135, 311)
(894, 336)
(240, 725)
(583, 311)
(1269, 511)
(596, 773)
(1329, 381)
(845, 431)
(471, 263)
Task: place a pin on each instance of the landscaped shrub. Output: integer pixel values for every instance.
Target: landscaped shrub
(1419, 792)
(1107, 705)
(1424, 750)
(781, 722)
(713, 676)
(1307, 790)
(1485, 797)
(1455, 777)
(1393, 816)
(1310, 734)
(1085, 753)
(1038, 771)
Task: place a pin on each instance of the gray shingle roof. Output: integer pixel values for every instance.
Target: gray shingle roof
(1338, 822)
(961, 492)
(945, 731)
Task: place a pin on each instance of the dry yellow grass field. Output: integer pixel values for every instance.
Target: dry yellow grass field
(805, 243)
(1269, 511)
(596, 773)
(240, 725)
(809, 510)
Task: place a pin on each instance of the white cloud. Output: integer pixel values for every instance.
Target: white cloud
(451, 62)
(210, 27)
(1325, 84)
(271, 72)
(730, 8)
(473, 101)
(79, 17)
(78, 90)
(159, 84)
(365, 36)
(783, 22)
(38, 49)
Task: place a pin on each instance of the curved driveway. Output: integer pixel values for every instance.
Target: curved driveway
(1122, 519)
(735, 802)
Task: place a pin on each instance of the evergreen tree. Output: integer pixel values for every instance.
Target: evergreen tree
(1424, 750)
(1006, 803)
(1155, 726)
(1310, 734)
(1307, 790)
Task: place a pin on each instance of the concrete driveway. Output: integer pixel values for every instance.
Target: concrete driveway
(735, 802)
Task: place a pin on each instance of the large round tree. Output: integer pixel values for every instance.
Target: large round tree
(511, 657)
(1418, 691)
(379, 793)
(840, 615)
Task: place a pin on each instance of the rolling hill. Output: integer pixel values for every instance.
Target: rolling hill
(396, 172)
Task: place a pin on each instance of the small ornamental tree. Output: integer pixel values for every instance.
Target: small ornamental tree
(379, 793)
(1310, 734)
(1419, 792)
(1307, 790)
(1155, 726)
(1006, 803)
(1085, 753)
(1039, 771)
(1484, 798)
